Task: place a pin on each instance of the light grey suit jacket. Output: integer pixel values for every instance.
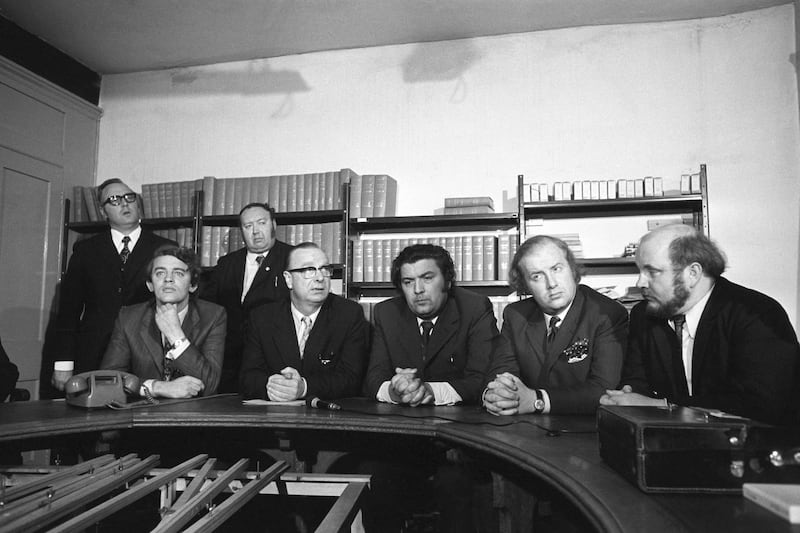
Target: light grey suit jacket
(136, 347)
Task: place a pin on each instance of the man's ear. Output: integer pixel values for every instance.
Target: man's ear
(287, 277)
(149, 285)
(193, 288)
(695, 273)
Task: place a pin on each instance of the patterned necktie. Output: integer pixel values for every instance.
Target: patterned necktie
(305, 327)
(679, 321)
(125, 252)
(553, 328)
(259, 259)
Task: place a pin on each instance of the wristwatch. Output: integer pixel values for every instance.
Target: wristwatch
(538, 403)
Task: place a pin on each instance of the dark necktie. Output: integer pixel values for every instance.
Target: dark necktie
(679, 321)
(427, 327)
(259, 259)
(680, 370)
(125, 252)
(553, 328)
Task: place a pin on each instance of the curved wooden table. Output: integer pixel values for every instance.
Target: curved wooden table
(560, 452)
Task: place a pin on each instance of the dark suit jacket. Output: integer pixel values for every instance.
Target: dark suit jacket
(8, 375)
(225, 289)
(745, 358)
(136, 347)
(458, 351)
(335, 354)
(573, 387)
(95, 287)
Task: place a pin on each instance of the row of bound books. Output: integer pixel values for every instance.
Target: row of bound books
(499, 304)
(217, 241)
(561, 191)
(370, 195)
(468, 205)
(476, 257)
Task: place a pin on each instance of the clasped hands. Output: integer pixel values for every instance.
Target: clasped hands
(508, 395)
(406, 388)
(286, 386)
(626, 396)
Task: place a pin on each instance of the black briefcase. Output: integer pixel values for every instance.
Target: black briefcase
(684, 449)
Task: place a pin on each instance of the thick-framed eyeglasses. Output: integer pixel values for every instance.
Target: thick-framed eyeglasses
(116, 199)
(311, 272)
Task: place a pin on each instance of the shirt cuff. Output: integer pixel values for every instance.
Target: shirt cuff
(546, 398)
(444, 393)
(148, 383)
(176, 352)
(383, 393)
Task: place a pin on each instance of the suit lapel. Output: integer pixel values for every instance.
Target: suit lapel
(141, 254)
(705, 327)
(151, 337)
(319, 335)
(286, 337)
(664, 342)
(566, 332)
(236, 272)
(536, 332)
(446, 327)
(269, 267)
(410, 338)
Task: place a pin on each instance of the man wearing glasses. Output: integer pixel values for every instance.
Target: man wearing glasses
(105, 272)
(245, 279)
(313, 345)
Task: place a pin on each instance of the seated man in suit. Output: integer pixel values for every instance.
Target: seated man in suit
(245, 279)
(173, 344)
(432, 344)
(312, 345)
(700, 340)
(105, 272)
(561, 349)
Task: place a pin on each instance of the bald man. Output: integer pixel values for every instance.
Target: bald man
(700, 340)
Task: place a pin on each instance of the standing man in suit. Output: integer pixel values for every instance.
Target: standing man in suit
(175, 343)
(312, 345)
(245, 279)
(105, 272)
(700, 340)
(561, 349)
(432, 344)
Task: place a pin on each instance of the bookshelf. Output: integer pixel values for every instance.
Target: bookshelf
(197, 229)
(636, 215)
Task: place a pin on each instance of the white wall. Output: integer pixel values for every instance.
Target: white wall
(465, 117)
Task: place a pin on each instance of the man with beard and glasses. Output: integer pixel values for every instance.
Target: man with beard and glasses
(700, 340)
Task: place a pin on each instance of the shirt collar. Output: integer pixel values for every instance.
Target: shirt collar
(251, 256)
(297, 315)
(693, 315)
(117, 236)
(560, 315)
(421, 320)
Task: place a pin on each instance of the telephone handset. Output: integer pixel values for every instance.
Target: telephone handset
(99, 388)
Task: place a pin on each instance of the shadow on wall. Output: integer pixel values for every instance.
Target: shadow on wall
(443, 62)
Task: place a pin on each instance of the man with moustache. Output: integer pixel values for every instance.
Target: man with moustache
(174, 343)
(246, 279)
(312, 345)
(701, 340)
(105, 272)
(563, 347)
(431, 345)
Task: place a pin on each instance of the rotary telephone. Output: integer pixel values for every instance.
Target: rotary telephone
(99, 388)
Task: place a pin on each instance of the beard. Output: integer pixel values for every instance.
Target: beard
(670, 308)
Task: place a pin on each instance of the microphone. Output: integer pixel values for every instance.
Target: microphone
(316, 403)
